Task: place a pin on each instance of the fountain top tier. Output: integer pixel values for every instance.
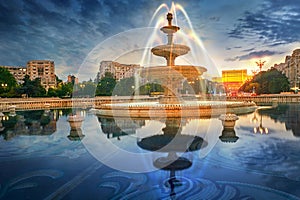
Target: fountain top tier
(170, 29)
(170, 51)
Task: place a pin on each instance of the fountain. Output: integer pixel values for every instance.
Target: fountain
(228, 122)
(171, 77)
(75, 121)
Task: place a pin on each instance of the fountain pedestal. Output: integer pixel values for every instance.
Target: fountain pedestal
(228, 122)
(75, 122)
(12, 110)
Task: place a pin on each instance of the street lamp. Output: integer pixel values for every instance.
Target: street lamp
(4, 85)
(260, 64)
(132, 87)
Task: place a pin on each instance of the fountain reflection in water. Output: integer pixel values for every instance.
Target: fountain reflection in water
(172, 142)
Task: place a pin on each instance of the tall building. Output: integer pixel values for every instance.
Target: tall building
(234, 79)
(72, 79)
(43, 69)
(18, 72)
(291, 68)
(119, 71)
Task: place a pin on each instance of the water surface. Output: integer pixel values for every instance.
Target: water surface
(39, 161)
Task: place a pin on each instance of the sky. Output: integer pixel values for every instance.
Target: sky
(78, 34)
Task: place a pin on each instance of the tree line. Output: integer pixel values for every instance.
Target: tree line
(271, 81)
(107, 86)
(265, 82)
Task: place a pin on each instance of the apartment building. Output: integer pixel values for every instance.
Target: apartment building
(118, 70)
(291, 68)
(43, 69)
(18, 72)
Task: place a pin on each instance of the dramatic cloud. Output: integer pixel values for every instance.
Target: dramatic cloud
(254, 54)
(214, 18)
(66, 31)
(273, 23)
(248, 50)
(63, 31)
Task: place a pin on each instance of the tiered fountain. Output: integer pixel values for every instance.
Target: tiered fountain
(171, 77)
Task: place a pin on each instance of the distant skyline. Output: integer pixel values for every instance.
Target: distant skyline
(234, 33)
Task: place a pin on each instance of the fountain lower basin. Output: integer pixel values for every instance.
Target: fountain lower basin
(202, 109)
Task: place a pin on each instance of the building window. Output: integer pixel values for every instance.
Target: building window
(40, 71)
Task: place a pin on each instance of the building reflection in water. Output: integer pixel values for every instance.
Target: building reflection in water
(292, 119)
(289, 114)
(38, 122)
(121, 127)
(1, 125)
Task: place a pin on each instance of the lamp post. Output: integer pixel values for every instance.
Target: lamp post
(260, 64)
(132, 89)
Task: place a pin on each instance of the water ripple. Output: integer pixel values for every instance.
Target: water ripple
(17, 182)
(274, 157)
(134, 186)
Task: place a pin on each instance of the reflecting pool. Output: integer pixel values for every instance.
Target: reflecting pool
(41, 157)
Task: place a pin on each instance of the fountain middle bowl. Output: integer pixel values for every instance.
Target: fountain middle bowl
(174, 49)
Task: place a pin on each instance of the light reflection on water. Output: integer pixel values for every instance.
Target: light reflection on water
(37, 158)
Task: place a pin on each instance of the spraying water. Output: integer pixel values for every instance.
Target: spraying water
(199, 55)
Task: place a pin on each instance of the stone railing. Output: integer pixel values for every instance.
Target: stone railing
(272, 98)
(97, 102)
(43, 103)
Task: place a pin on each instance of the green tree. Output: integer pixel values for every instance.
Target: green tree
(8, 83)
(87, 89)
(106, 85)
(267, 82)
(64, 90)
(52, 92)
(125, 87)
(58, 80)
(32, 88)
(128, 87)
